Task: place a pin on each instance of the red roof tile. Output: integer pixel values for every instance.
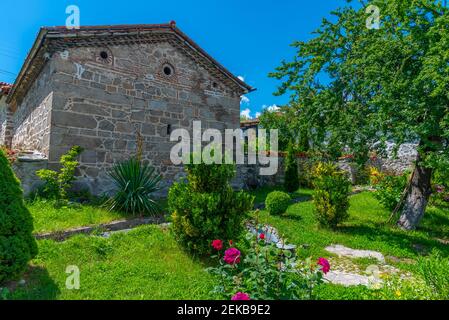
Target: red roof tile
(4, 88)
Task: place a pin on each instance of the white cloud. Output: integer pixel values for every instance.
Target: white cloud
(244, 100)
(246, 113)
(241, 78)
(258, 114)
(271, 108)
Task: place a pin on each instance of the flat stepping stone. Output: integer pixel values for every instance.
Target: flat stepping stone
(271, 236)
(343, 251)
(351, 279)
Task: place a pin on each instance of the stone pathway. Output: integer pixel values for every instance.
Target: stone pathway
(345, 272)
(343, 251)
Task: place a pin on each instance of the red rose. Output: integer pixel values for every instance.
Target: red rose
(240, 296)
(262, 236)
(324, 264)
(217, 244)
(232, 256)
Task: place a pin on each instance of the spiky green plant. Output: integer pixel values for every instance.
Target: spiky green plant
(135, 183)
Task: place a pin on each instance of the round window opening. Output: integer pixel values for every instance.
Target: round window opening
(104, 55)
(168, 70)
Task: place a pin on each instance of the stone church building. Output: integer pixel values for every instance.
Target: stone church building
(105, 88)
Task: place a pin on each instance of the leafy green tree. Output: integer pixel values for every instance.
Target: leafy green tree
(287, 123)
(291, 180)
(358, 85)
(17, 244)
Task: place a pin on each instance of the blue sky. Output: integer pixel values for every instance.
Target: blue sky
(250, 38)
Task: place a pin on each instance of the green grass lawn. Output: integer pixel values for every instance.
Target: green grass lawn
(145, 263)
(365, 229)
(47, 218)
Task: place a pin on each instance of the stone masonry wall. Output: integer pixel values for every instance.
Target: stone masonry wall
(31, 120)
(103, 104)
(3, 117)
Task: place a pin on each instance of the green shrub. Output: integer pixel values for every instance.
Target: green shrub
(58, 183)
(277, 202)
(17, 244)
(305, 170)
(389, 189)
(135, 182)
(291, 181)
(205, 207)
(264, 272)
(331, 195)
(435, 271)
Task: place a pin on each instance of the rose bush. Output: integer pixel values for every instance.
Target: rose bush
(265, 272)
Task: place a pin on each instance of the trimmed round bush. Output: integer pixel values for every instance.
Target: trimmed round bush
(277, 202)
(17, 244)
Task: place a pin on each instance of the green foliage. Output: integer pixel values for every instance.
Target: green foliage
(206, 207)
(435, 271)
(135, 183)
(277, 202)
(352, 86)
(266, 272)
(57, 184)
(289, 126)
(17, 245)
(305, 171)
(291, 182)
(389, 189)
(331, 195)
(440, 188)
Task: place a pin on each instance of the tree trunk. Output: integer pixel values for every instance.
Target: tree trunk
(418, 195)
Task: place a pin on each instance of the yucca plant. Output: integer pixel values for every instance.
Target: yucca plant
(135, 182)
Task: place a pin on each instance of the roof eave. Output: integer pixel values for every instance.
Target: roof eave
(30, 57)
(52, 32)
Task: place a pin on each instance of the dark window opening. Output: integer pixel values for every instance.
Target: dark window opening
(104, 55)
(215, 85)
(169, 129)
(167, 71)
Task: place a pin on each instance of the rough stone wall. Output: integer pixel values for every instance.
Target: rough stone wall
(30, 123)
(25, 169)
(248, 176)
(102, 105)
(3, 117)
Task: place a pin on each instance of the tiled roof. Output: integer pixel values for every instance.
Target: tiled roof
(51, 39)
(4, 88)
(249, 123)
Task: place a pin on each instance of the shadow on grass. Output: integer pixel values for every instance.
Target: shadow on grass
(436, 224)
(411, 242)
(38, 286)
(292, 217)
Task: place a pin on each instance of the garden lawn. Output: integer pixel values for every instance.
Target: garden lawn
(47, 218)
(144, 263)
(365, 229)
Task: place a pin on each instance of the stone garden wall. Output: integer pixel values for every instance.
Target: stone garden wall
(248, 175)
(25, 168)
